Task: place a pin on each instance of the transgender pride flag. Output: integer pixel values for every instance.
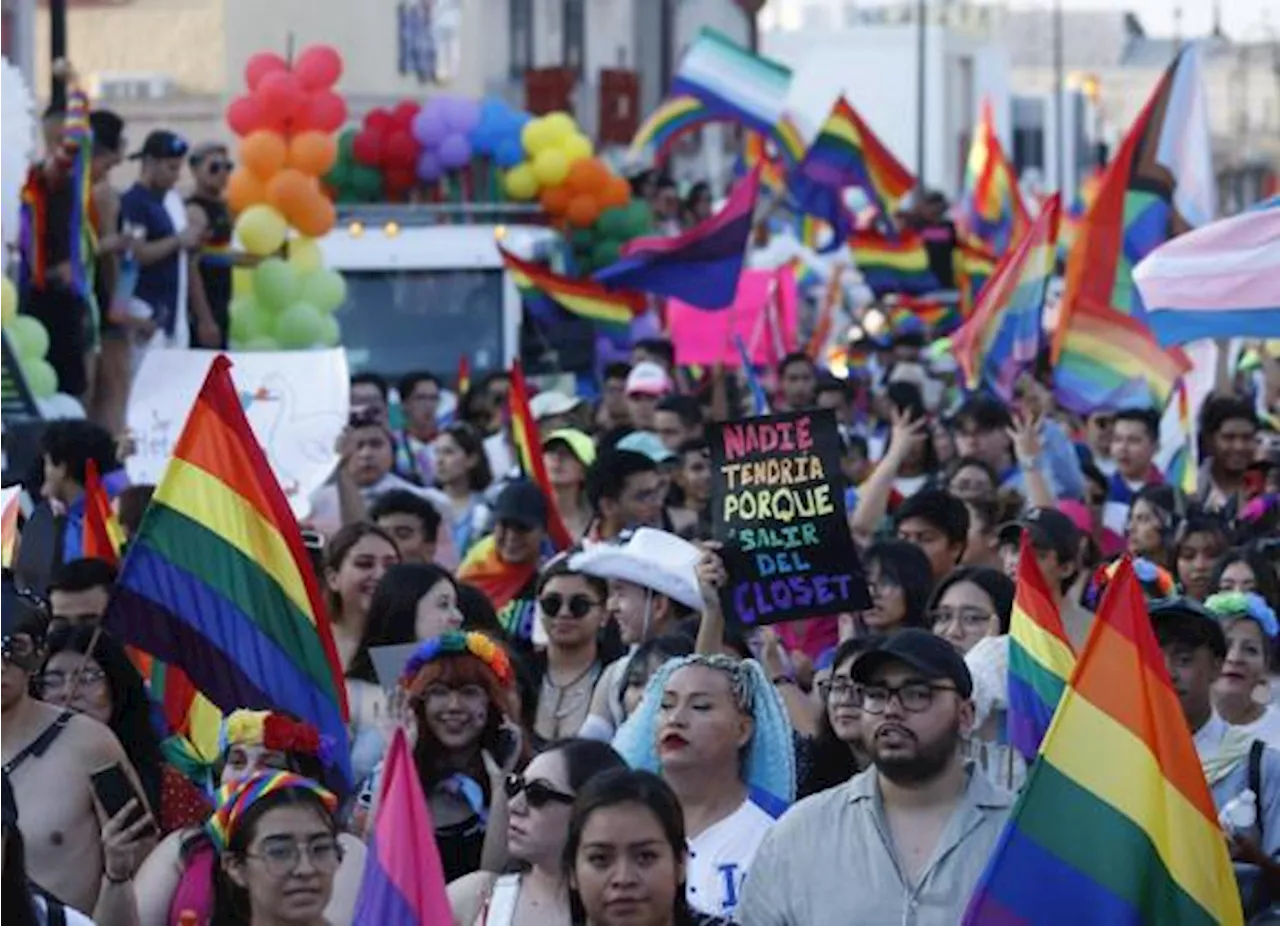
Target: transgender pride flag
(403, 879)
(1218, 281)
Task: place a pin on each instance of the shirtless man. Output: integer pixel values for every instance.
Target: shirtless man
(49, 757)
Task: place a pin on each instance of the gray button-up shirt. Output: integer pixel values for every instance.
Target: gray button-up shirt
(830, 861)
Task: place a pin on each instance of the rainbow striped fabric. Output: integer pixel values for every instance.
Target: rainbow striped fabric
(1161, 183)
(9, 525)
(218, 585)
(673, 117)
(1000, 341)
(1115, 823)
(732, 82)
(403, 883)
(991, 208)
(611, 311)
(974, 263)
(1040, 656)
(893, 266)
(462, 384)
(846, 153)
(103, 537)
(1073, 215)
(528, 446)
(759, 398)
(774, 153)
(1182, 470)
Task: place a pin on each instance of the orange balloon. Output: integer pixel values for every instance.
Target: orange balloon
(263, 152)
(313, 152)
(555, 199)
(244, 189)
(583, 211)
(587, 175)
(617, 192)
(289, 191)
(315, 215)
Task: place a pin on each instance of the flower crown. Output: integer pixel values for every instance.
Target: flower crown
(453, 642)
(1226, 605)
(234, 800)
(1156, 581)
(271, 730)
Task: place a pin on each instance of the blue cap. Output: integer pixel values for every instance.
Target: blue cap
(647, 443)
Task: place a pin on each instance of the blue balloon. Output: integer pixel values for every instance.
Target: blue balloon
(508, 152)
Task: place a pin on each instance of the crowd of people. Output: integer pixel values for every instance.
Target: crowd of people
(597, 741)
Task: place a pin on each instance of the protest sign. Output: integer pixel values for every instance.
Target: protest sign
(763, 314)
(296, 403)
(777, 505)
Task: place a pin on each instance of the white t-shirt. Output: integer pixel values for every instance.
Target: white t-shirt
(74, 917)
(720, 856)
(1266, 727)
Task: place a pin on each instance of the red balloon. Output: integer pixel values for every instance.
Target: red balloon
(324, 111)
(380, 120)
(245, 116)
(404, 112)
(367, 147)
(400, 150)
(260, 65)
(399, 179)
(318, 67)
(280, 95)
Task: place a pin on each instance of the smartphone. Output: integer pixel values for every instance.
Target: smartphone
(114, 789)
(313, 542)
(505, 746)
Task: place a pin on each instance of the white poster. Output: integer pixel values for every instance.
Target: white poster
(296, 403)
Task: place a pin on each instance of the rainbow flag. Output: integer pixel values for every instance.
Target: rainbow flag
(893, 266)
(528, 445)
(846, 153)
(774, 153)
(611, 311)
(673, 117)
(700, 266)
(217, 583)
(1182, 471)
(103, 537)
(1000, 341)
(974, 263)
(1160, 184)
(733, 83)
(403, 883)
(463, 382)
(991, 208)
(1040, 656)
(1115, 823)
(10, 516)
(1073, 215)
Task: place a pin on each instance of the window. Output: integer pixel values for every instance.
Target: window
(520, 33)
(1028, 134)
(575, 34)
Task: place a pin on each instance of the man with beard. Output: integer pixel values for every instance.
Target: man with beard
(906, 840)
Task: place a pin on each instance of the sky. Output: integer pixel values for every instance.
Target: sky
(1241, 19)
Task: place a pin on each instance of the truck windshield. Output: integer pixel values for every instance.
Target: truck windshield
(398, 321)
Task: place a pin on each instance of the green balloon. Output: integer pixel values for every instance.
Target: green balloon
(613, 223)
(324, 288)
(639, 219)
(248, 320)
(347, 145)
(606, 252)
(41, 378)
(582, 238)
(263, 342)
(301, 325)
(366, 182)
(275, 283)
(331, 332)
(340, 175)
(28, 336)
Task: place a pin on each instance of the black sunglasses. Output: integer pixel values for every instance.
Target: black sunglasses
(218, 167)
(579, 605)
(537, 793)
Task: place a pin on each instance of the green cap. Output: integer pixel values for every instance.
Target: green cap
(582, 446)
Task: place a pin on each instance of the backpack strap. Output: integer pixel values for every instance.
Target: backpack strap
(40, 745)
(1256, 751)
(55, 914)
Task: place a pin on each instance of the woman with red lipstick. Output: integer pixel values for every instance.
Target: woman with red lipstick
(1250, 627)
(627, 855)
(535, 892)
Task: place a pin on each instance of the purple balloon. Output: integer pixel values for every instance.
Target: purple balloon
(454, 151)
(429, 168)
(429, 127)
(463, 115)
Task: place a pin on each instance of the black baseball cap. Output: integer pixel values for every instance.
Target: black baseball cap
(1178, 619)
(162, 144)
(927, 653)
(1049, 528)
(523, 503)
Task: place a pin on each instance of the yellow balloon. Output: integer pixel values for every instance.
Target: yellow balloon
(535, 136)
(261, 229)
(520, 182)
(560, 125)
(576, 147)
(8, 301)
(551, 166)
(305, 254)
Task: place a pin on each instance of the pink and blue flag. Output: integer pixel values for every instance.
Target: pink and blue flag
(1221, 280)
(699, 267)
(403, 881)
(1000, 340)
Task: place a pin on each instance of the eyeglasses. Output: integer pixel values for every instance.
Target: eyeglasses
(57, 681)
(219, 167)
(915, 697)
(281, 856)
(841, 688)
(537, 793)
(971, 618)
(579, 605)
